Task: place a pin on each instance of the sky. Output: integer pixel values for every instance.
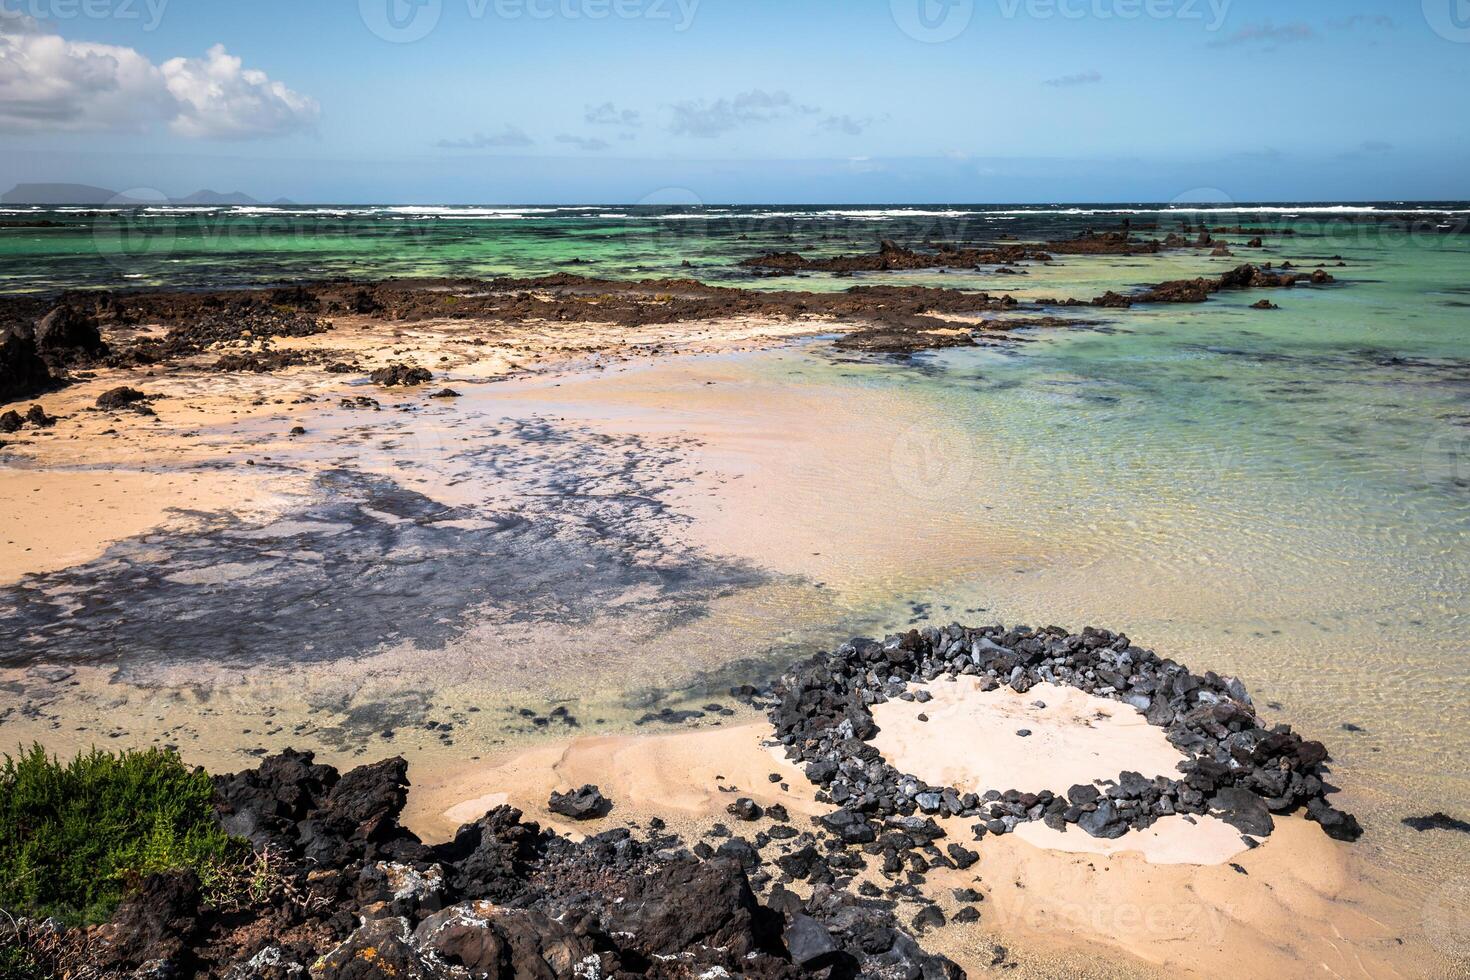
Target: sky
(741, 101)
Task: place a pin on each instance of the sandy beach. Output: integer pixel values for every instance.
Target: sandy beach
(586, 490)
(665, 488)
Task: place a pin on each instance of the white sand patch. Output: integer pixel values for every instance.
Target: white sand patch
(970, 742)
(1172, 840)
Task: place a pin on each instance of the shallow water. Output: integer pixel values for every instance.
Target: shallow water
(1282, 495)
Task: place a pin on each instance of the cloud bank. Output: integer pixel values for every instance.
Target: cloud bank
(48, 84)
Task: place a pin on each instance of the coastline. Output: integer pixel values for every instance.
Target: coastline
(248, 416)
(1056, 913)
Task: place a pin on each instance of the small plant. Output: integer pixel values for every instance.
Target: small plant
(75, 836)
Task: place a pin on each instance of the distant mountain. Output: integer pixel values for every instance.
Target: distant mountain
(63, 194)
(215, 198)
(86, 195)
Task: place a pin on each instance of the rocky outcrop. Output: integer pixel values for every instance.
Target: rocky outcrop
(401, 374)
(893, 257)
(68, 333)
(153, 925)
(1110, 243)
(23, 373)
(1199, 290)
(1233, 765)
(586, 803)
(352, 895)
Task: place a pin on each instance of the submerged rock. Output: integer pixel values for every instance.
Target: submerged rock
(1437, 821)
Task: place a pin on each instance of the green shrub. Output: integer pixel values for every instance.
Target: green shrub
(74, 836)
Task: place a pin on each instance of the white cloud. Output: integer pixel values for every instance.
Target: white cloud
(711, 119)
(15, 22)
(219, 98)
(48, 83)
(590, 144)
(609, 114)
(1080, 78)
(845, 124)
(509, 136)
(1268, 34)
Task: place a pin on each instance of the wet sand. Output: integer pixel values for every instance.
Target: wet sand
(784, 497)
(1297, 905)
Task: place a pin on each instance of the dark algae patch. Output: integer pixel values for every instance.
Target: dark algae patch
(368, 562)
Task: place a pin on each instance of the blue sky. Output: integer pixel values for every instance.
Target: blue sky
(823, 101)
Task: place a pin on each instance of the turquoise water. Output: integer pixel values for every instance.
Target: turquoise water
(1284, 495)
(204, 246)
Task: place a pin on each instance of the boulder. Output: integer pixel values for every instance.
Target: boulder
(120, 397)
(492, 857)
(154, 924)
(67, 332)
(1103, 822)
(1336, 824)
(744, 809)
(809, 942)
(401, 374)
(380, 949)
(690, 903)
(22, 371)
(1243, 810)
(586, 803)
(506, 944)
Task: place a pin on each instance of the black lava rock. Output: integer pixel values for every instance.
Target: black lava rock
(586, 803)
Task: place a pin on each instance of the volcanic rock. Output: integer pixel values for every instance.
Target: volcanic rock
(586, 803)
